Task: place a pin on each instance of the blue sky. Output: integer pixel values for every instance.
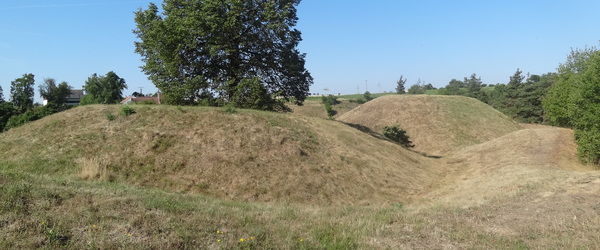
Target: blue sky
(347, 42)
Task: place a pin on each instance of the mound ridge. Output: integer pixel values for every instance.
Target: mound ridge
(248, 155)
(436, 124)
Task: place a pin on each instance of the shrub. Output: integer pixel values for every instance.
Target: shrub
(7, 110)
(588, 145)
(127, 110)
(87, 100)
(330, 100)
(229, 108)
(110, 117)
(367, 96)
(251, 94)
(398, 135)
(574, 101)
(330, 111)
(31, 115)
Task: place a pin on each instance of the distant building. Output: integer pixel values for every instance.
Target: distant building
(73, 99)
(142, 99)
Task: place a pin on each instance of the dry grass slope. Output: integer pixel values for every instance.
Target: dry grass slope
(247, 156)
(503, 166)
(165, 177)
(436, 124)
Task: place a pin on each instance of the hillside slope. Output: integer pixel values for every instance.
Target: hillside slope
(535, 157)
(436, 124)
(248, 155)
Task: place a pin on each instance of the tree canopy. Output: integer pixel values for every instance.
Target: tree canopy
(574, 101)
(21, 92)
(200, 49)
(107, 89)
(56, 95)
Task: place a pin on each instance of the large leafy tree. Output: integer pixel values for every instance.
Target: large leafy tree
(21, 92)
(574, 101)
(559, 103)
(56, 95)
(107, 89)
(198, 49)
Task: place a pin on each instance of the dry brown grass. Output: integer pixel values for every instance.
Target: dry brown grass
(436, 124)
(504, 166)
(172, 177)
(246, 156)
(93, 169)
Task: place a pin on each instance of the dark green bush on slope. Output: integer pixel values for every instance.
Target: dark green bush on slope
(398, 135)
(330, 111)
(329, 100)
(29, 116)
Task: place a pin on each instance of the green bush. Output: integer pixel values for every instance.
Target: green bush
(574, 101)
(251, 94)
(330, 111)
(87, 100)
(367, 96)
(589, 145)
(229, 108)
(29, 116)
(110, 117)
(398, 135)
(7, 110)
(330, 100)
(127, 110)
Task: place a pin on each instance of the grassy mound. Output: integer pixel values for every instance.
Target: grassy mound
(537, 156)
(436, 124)
(165, 177)
(247, 156)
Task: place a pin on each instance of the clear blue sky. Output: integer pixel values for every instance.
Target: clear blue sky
(347, 41)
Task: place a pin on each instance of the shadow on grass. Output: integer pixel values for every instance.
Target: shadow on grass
(370, 132)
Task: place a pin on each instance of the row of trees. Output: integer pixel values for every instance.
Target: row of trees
(416, 89)
(521, 98)
(20, 108)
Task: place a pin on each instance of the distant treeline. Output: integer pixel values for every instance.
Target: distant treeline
(20, 108)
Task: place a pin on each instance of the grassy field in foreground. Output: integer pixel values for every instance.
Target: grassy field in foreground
(43, 212)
